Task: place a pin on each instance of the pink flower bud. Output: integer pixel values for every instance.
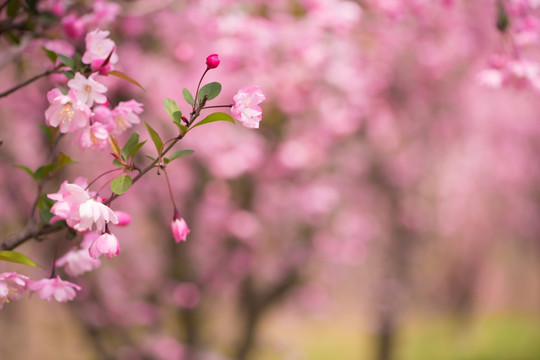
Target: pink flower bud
(179, 228)
(212, 61)
(124, 218)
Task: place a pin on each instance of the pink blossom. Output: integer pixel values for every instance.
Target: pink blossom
(103, 115)
(125, 114)
(88, 89)
(94, 137)
(246, 107)
(73, 26)
(106, 244)
(98, 47)
(179, 228)
(104, 13)
(124, 218)
(66, 111)
(212, 61)
(80, 209)
(77, 260)
(61, 290)
(12, 286)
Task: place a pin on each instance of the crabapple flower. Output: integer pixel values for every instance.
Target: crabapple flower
(66, 111)
(80, 209)
(124, 218)
(56, 288)
(99, 47)
(77, 261)
(12, 286)
(94, 137)
(106, 244)
(179, 228)
(88, 89)
(73, 27)
(246, 107)
(125, 114)
(212, 61)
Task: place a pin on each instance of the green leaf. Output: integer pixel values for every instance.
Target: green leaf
(170, 106)
(62, 160)
(121, 184)
(183, 129)
(51, 55)
(69, 62)
(150, 157)
(42, 171)
(16, 257)
(136, 148)
(69, 74)
(177, 117)
(117, 162)
(177, 154)
(44, 203)
(187, 96)
(218, 116)
(46, 215)
(28, 171)
(212, 90)
(13, 7)
(155, 137)
(132, 141)
(49, 133)
(125, 77)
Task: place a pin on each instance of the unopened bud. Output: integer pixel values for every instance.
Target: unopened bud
(212, 61)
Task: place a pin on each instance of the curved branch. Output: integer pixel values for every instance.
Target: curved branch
(31, 231)
(29, 81)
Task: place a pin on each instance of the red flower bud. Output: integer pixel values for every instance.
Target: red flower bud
(212, 61)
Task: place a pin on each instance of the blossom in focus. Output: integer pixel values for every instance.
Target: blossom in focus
(56, 288)
(246, 107)
(212, 61)
(99, 47)
(125, 114)
(179, 228)
(77, 261)
(12, 286)
(80, 209)
(106, 244)
(88, 89)
(66, 111)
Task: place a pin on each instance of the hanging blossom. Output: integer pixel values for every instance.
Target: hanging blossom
(179, 228)
(88, 89)
(80, 210)
(56, 288)
(106, 244)
(78, 261)
(66, 111)
(12, 287)
(125, 114)
(246, 107)
(93, 137)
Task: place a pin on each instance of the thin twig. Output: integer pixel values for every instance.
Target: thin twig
(29, 81)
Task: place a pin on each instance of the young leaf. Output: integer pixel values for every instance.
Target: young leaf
(136, 148)
(117, 162)
(63, 160)
(51, 55)
(69, 74)
(170, 106)
(16, 257)
(69, 62)
(177, 154)
(183, 129)
(155, 137)
(115, 145)
(218, 116)
(132, 141)
(125, 77)
(177, 117)
(28, 171)
(46, 215)
(150, 157)
(187, 96)
(121, 184)
(212, 90)
(42, 172)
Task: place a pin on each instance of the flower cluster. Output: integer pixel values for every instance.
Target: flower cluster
(510, 68)
(83, 108)
(246, 107)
